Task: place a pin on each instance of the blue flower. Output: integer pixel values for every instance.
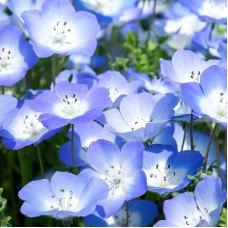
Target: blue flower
(167, 170)
(208, 10)
(8, 109)
(76, 77)
(118, 86)
(58, 29)
(186, 66)
(141, 116)
(25, 128)
(209, 98)
(71, 103)
(141, 213)
(18, 7)
(122, 171)
(199, 209)
(65, 195)
(84, 135)
(16, 55)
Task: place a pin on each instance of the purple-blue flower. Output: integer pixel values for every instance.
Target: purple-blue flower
(71, 103)
(16, 55)
(8, 109)
(84, 135)
(141, 213)
(186, 66)
(76, 77)
(65, 195)
(209, 97)
(208, 10)
(24, 128)
(167, 170)
(199, 209)
(121, 170)
(118, 86)
(58, 29)
(141, 116)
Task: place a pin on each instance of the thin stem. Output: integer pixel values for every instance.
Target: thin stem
(140, 17)
(53, 67)
(72, 149)
(184, 137)
(208, 147)
(210, 36)
(40, 161)
(3, 90)
(218, 164)
(127, 214)
(151, 20)
(191, 132)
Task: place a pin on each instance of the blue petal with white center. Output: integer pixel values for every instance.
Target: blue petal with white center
(58, 29)
(167, 170)
(16, 55)
(65, 195)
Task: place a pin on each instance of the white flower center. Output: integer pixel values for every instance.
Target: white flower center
(65, 201)
(113, 177)
(214, 10)
(161, 176)
(194, 218)
(114, 94)
(5, 59)
(32, 127)
(218, 100)
(195, 76)
(60, 33)
(68, 107)
(140, 122)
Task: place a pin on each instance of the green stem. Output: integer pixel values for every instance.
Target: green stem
(22, 161)
(127, 214)
(191, 132)
(53, 67)
(3, 90)
(218, 163)
(184, 137)
(72, 149)
(210, 36)
(40, 161)
(151, 20)
(208, 148)
(139, 19)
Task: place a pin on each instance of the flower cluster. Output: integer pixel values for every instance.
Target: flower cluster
(115, 127)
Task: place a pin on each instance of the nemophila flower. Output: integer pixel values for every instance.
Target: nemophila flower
(118, 86)
(121, 170)
(65, 195)
(113, 8)
(199, 209)
(208, 10)
(141, 116)
(181, 25)
(209, 97)
(76, 77)
(18, 7)
(186, 66)
(16, 55)
(167, 170)
(58, 29)
(84, 135)
(71, 103)
(25, 128)
(141, 213)
(8, 109)
(155, 85)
